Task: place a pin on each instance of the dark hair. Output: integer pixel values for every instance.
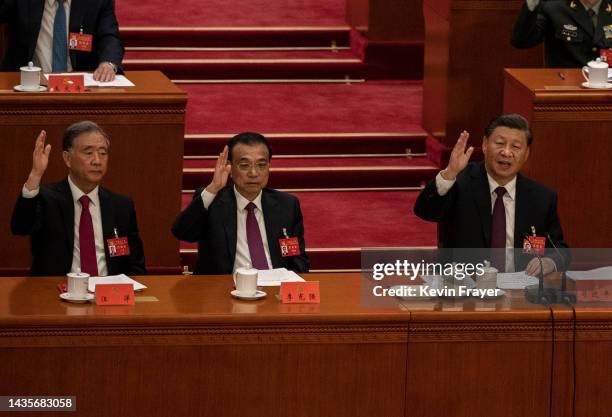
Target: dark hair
(512, 121)
(248, 138)
(77, 129)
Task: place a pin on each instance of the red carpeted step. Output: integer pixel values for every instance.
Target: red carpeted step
(377, 219)
(373, 106)
(194, 65)
(230, 13)
(319, 144)
(330, 173)
(232, 36)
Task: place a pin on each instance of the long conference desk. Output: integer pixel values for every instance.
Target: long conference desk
(187, 348)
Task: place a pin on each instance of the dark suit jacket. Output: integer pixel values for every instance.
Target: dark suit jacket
(567, 32)
(215, 230)
(464, 213)
(96, 17)
(49, 219)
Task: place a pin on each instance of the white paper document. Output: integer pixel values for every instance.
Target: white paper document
(274, 277)
(114, 279)
(514, 280)
(600, 274)
(119, 81)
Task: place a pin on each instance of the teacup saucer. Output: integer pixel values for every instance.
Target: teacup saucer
(67, 297)
(587, 85)
(38, 90)
(258, 295)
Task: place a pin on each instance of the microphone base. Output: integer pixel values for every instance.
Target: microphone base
(549, 295)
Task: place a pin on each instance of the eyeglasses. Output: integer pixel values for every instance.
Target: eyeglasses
(259, 166)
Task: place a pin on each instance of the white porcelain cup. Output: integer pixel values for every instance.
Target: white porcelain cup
(596, 73)
(30, 77)
(246, 281)
(488, 280)
(77, 284)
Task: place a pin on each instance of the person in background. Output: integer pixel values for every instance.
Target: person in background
(63, 36)
(573, 31)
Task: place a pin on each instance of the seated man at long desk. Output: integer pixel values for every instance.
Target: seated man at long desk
(76, 225)
(490, 204)
(247, 223)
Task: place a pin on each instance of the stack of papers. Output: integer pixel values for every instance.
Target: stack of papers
(274, 277)
(601, 274)
(119, 81)
(114, 279)
(514, 280)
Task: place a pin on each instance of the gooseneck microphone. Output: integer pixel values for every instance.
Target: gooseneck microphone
(567, 297)
(537, 294)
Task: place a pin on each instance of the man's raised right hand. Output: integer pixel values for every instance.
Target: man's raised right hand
(40, 161)
(459, 157)
(222, 171)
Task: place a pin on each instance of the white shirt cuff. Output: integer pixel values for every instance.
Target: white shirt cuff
(25, 193)
(532, 4)
(443, 185)
(207, 198)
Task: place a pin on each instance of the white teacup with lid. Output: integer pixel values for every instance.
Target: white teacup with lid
(245, 279)
(30, 77)
(596, 74)
(488, 280)
(77, 284)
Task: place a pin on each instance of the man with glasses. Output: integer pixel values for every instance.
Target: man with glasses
(245, 224)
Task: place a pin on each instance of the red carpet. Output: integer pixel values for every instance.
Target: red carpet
(378, 106)
(359, 219)
(323, 144)
(325, 162)
(231, 13)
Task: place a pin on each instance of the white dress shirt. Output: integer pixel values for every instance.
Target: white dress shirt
(444, 185)
(96, 217)
(243, 256)
(43, 54)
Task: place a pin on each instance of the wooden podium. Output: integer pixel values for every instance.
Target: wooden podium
(571, 149)
(467, 46)
(146, 126)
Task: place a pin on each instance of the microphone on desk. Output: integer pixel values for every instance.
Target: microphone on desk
(537, 294)
(562, 295)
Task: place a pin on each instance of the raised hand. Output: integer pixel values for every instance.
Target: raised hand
(222, 171)
(459, 157)
(40, 161)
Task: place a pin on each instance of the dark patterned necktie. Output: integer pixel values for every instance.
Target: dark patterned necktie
(256, 248)
(498, 230)
(87, 242)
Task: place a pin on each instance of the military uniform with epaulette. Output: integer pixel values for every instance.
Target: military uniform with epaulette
(573, 32)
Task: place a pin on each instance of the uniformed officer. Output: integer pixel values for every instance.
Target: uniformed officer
(573, 31)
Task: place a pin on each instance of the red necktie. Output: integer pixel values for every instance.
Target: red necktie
(87, 242)
(256, 248)
(498, 231)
